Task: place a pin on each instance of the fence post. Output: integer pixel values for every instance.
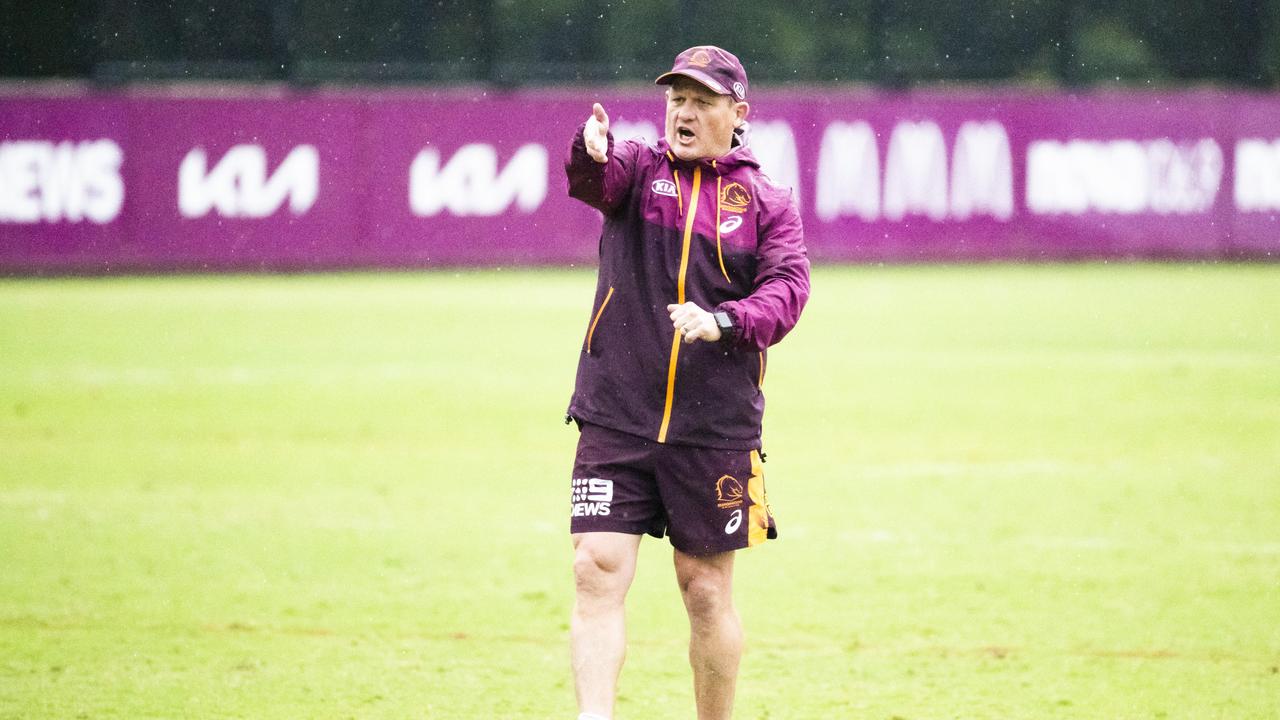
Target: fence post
(281, 39)
(888, 72)
(1066, 65)
(486, 43)
(1249, 28)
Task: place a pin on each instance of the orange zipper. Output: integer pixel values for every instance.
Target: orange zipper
(596, 321)
(684, 267)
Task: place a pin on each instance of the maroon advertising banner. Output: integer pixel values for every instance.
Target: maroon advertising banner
(159, 181)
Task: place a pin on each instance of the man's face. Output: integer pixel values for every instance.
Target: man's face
(700, 123)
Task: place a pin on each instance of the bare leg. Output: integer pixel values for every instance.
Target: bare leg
(715, 632)
(603, 566)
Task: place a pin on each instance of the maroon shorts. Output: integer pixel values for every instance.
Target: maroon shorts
(707, 500)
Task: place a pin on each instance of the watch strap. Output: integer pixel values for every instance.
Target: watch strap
(728, 331)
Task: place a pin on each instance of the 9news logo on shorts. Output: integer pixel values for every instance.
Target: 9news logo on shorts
(592, 497)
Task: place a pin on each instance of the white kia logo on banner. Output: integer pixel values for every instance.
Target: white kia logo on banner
(470, 184)
(238, 186)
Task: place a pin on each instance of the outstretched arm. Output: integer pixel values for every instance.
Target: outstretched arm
(599, 169)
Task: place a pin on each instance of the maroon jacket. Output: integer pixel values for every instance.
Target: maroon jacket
(717, 233)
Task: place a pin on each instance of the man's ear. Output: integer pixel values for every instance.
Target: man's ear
(742, 109)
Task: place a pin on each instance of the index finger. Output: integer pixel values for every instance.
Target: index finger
(601, 116)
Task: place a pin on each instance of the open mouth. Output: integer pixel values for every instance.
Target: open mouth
(684, 133)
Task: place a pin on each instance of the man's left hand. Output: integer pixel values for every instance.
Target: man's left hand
(694, 323)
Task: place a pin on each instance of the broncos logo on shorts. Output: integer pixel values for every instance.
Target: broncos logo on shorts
(728, 492)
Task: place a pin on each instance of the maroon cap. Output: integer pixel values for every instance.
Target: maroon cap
(714, 67)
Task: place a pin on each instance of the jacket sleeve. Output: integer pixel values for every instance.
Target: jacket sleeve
(781, 286)
(603, 186)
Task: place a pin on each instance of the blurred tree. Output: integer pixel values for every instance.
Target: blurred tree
(640, 37)
(184, 38)
(47, 39)
(888, 42)
(193, 30)
(1110, 50)
(1269, 53)
(846, 41)
(1159, 41)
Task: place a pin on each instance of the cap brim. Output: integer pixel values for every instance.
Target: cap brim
(698, 75)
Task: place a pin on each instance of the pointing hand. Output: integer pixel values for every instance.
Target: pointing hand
(596, 134)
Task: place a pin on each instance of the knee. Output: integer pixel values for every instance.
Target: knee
(598, 573)
(706, 596)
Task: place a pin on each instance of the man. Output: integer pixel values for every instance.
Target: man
(702, 267)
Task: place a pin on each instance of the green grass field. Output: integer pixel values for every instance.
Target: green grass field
(1003, 492)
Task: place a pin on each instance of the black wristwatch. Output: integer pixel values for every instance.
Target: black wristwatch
(728, 331)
